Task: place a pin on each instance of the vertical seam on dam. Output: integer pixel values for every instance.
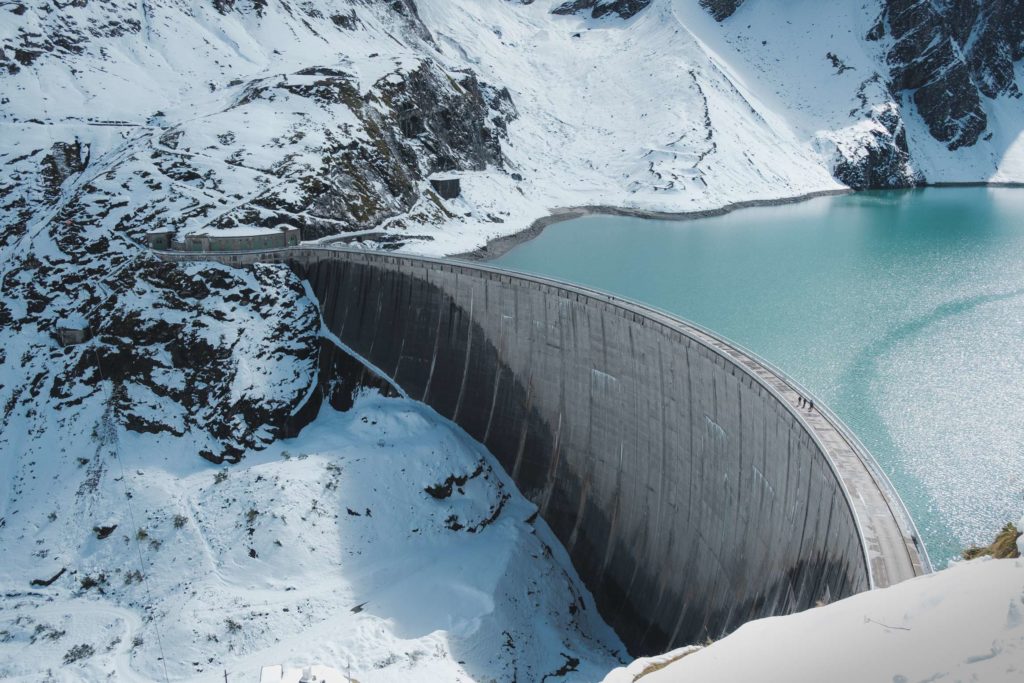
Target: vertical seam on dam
(642, 478)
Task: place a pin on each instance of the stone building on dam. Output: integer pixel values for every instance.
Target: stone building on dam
(239, 238)
(691, 483)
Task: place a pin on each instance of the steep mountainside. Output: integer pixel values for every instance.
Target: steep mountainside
(951, 65)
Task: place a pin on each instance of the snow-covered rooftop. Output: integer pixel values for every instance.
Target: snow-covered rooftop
(73, 321)
(241, 231)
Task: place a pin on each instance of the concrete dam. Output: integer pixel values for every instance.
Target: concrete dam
(691, 486)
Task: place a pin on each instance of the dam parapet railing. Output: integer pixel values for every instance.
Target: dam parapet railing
(898, 508)
(726, 427)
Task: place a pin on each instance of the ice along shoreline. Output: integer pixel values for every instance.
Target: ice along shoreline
(499, 246)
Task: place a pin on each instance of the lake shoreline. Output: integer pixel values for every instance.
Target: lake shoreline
(895, 307)
(499, 246)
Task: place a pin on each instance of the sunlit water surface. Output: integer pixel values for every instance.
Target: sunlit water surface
(904, 311)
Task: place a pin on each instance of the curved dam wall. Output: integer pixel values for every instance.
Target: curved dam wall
(690, 492)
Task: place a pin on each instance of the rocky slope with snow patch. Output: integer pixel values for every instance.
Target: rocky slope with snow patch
(947, 70)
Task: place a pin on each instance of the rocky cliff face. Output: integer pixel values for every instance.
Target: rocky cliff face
(599, 8)
(946, 58)
(928, 63)
(878, 157)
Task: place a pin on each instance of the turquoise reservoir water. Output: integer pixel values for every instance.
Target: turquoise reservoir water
(904, 311)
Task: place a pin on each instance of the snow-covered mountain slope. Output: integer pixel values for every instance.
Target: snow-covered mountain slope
(939, 79)
(333, 115)
(382, 538)
(630, 113)
(965, 623)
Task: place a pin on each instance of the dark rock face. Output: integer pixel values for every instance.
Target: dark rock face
(950, 56)
(721, 9)
(600, 8)
(457, 127)
(424, 123)
(926, 61)
(881, 161)
(997, 44)
(64, 160)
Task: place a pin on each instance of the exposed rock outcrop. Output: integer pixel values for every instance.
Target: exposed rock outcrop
(949, 56)
(66, 159)
(721, 9)
(994, 45)
(416, 123)
(927, 62)
(600, 8)
(880, 159)
(1003, 547)
(875, 154)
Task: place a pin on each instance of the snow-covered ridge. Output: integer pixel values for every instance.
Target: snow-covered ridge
(123, 117)
(965, 623)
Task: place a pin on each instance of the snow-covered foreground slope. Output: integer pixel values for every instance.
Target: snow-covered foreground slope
(325, 548)
(965, 623)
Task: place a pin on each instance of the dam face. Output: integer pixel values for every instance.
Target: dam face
(690, 493)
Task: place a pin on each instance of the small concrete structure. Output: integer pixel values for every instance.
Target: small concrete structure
(446, 186)
(243, 238)
(72, 329)
(160, 239)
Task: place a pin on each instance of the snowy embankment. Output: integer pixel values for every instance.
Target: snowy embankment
(382, 538)
(965, 623)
